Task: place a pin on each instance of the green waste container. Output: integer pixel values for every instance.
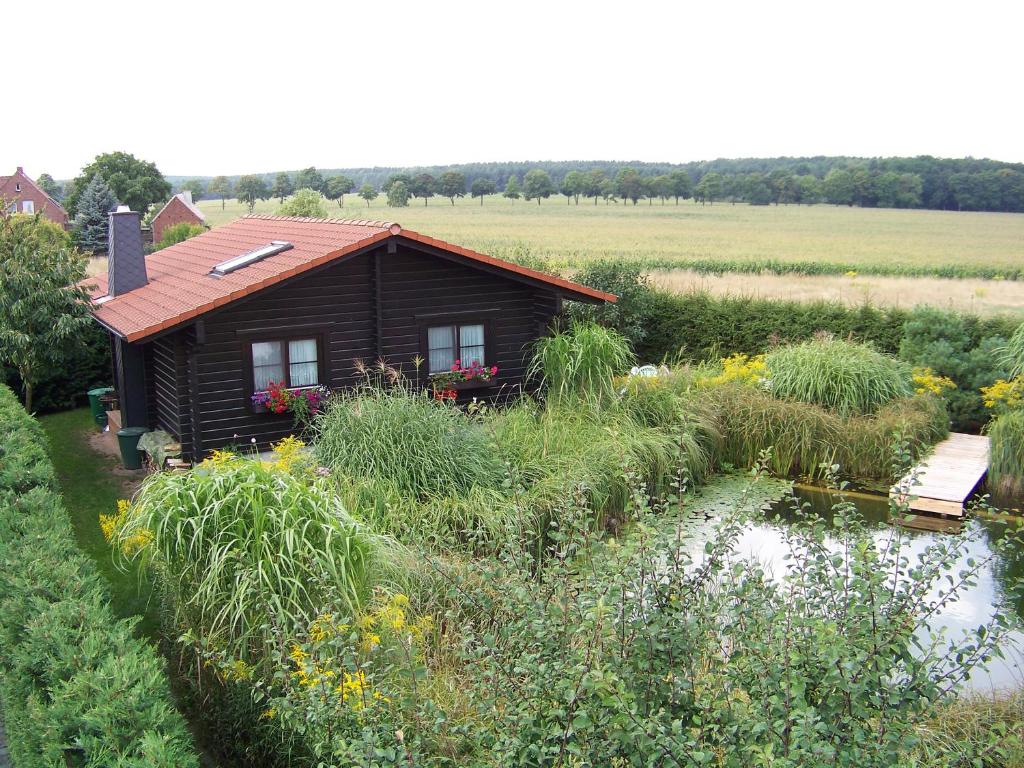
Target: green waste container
(128, 440)
(98, 414)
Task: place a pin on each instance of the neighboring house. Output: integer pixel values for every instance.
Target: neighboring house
(21, 195)
(179, 210)
(199, 327)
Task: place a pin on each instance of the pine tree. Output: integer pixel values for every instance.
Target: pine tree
(91, 223)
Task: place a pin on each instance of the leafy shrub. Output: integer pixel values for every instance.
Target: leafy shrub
(850, 379)
(629, 282)
(421, 447)
(77, 687)
(179, 233)
(580, 362)
(305, 202)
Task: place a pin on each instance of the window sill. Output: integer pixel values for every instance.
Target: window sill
(463, 386)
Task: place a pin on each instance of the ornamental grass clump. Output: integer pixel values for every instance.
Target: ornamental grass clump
(246, 551)
(580, 363)
(423, 448)
(848, 378)
(1006, 453)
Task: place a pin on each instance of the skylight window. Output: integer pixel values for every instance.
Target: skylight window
(229, 266)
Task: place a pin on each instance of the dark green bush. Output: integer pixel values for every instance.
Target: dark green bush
(77, 687)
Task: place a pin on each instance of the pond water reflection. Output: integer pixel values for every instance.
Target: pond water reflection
(765, 541)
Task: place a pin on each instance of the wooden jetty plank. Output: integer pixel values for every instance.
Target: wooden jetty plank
(943, 481)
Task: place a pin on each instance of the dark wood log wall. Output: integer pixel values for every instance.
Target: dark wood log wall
(373, 305)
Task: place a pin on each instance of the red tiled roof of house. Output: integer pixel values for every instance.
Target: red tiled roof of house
(181, 288)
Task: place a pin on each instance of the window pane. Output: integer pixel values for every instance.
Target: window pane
(302, 351)
(267, 364)
(471, 344)
(303, 370)
(441, 348)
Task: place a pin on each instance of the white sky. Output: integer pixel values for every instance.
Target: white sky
(238, 87)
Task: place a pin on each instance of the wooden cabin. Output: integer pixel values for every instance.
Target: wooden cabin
(198, 328)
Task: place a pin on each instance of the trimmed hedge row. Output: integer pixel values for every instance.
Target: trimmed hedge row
(76, 686)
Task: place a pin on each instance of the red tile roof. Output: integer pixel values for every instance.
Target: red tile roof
(181, 288)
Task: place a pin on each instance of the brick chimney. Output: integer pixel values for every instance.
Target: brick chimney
(126, 259)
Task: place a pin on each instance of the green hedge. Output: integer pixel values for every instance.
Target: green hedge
(76, 686)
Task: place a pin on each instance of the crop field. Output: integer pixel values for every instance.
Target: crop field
(813, 240)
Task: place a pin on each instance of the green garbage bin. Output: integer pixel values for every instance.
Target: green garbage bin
(128, 440)
(98, 414)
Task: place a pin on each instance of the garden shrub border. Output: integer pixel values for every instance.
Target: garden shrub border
(77, 686)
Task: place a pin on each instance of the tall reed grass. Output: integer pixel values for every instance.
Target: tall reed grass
(851, 379)
(248, 554)
(804, 436)
(1006, 453)
(580, 362)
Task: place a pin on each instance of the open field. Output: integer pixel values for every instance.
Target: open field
(972, 295)
(804, 239)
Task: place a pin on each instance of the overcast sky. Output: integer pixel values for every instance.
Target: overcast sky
(225, 87)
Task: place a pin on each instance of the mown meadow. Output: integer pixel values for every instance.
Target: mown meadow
(818, 239)
(414, 582)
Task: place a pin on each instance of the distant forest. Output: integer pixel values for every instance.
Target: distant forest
(896, 182)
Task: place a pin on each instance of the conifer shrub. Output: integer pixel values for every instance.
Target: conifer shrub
(77, 687)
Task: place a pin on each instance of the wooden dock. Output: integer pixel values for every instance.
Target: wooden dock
(943, 480)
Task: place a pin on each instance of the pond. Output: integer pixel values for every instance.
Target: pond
(764, 541)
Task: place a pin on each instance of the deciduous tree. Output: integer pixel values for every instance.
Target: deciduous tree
(42, 306)
(424, 185)
(136, 183)
(250, 189)
(368, 193)
(46, 183)
(482, 186)
(338, 187)
(282, 186)
(537, 184)
(309, 178)
(398, 195)
(682, 185)
(592, 184)
(512, 190)
(220, 186)
(394, 177)
(709, 188)
(452, 185)
(573, 185)
(629, 185)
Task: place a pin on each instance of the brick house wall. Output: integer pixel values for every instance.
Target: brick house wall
(175, 212)
(21, 191)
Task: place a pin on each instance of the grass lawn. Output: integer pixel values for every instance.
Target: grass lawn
(91, 488)
(665, 235)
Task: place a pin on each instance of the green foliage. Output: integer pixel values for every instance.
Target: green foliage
(46, 183)
(196, 187)
(398, 195)
(42, 307)
(629, 185)
(249, 189)
(92, 224)
(241, 546)
(368, 193)
(419, 445)
(282, 187)
(179, 233)
(1012, 354)
(512, 188)
(309, 178)
(135, 183)
(77, 687)
(220, 187)
(802, 438)
(422, 185)
(482, 187)
(630, 313)
(1006, 453)
(537, 184)
(580, 363)
(841, 376)
(305, 202)
(452, 184)
(337, 187)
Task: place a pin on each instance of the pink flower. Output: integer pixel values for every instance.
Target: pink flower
(494, 370)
